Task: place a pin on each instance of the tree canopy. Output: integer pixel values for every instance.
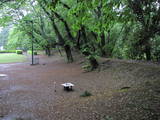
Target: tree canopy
(126, 29)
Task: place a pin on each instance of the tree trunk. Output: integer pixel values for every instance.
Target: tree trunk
(68, 53)
(60, 52)
(146, 42)
(148, 52)
(83, 31)
(94, 63)
(48, 51)
(62, 43)
(78, 40)
(57, 32)
(108, 38)
(102, 44)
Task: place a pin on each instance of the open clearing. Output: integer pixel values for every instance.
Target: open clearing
(11, 58)
(121, 90)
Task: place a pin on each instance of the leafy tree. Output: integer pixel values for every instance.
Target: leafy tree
(18, 39)
(146, 13)
(126, 29)
(4, 36)
(49, 9)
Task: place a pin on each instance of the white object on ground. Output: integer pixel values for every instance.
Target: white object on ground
(3, 75)
(67, 86)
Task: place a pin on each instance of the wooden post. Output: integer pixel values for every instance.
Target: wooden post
(54, 86)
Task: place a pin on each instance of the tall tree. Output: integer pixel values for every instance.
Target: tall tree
(147, 14)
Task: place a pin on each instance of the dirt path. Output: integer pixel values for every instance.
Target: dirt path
(28, 92)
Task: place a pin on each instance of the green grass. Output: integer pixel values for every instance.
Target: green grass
(11, 58)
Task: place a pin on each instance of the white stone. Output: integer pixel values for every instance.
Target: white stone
(67, 85)
(3, 75)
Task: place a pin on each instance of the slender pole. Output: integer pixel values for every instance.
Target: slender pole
(32, 45)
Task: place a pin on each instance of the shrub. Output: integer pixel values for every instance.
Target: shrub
(35, 53)
(86, 94)
(108, 118)
(87, 67)
(7, 51)
(19, 51)
(30, 52)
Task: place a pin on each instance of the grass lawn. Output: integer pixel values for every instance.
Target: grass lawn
(11, 58)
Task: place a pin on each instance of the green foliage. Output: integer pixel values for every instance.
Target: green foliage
(30, 52)
(4, 36)
(87, 67)
(86, 94)
(112, 28)
(5, 20)
(7, 51)
(156, 48)
(18, 39)
(108, 118)
(19, 51)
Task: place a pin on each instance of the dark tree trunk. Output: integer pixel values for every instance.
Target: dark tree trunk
(94, 35)
(57, 32)
(62, 43)
(146, 42)
(60, 52)
(83, 31)
(78, 40)
(108, 38)
(148, 52)
(48, 51)
(94, 63)
(102, 39)
(102, 44)
(68, 53)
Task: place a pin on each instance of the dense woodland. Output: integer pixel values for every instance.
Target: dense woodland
(124, 29)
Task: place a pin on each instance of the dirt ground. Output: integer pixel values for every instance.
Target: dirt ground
(121, 90)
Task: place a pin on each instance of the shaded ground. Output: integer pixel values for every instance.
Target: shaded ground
(122, 90)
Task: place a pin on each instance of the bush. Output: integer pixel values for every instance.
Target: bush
(35, 53)
(30, 52)
(86, 94)
(19, 51)
(108, 118)
(87, 67)
(7, 51)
